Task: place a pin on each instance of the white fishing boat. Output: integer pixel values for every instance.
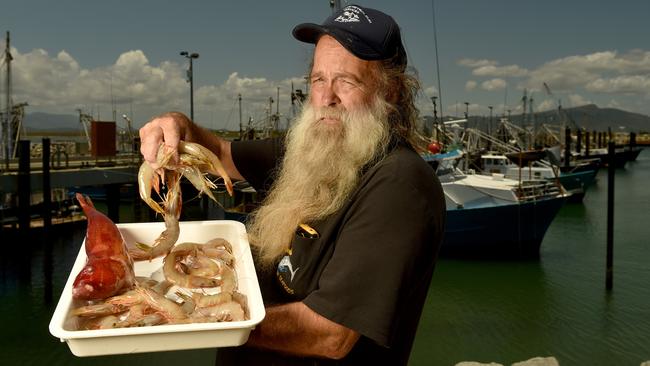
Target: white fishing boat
(494, 215)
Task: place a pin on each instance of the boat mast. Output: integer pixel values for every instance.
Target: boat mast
(241, 130)
(435, 44)
(6, 123)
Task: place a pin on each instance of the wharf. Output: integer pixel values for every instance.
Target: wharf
(78, 172)
(22, 180)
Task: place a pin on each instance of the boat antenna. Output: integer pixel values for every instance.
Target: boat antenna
(335, 5)
(435, 44)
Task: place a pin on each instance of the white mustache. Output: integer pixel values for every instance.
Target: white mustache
(321, 113)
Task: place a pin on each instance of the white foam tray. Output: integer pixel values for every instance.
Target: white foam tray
(166, 337)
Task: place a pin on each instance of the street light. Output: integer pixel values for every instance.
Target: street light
(190, 79)
(490, 122)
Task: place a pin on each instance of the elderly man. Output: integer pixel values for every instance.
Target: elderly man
(347, 238)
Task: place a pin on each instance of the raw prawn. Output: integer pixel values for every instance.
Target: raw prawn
(109, 268)
(179, 267)
(171, 213)
(206, 160)
(178, 276)
(194, 160)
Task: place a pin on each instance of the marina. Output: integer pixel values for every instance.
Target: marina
(482, 309)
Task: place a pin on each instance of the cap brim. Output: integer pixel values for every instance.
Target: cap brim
(310, 33)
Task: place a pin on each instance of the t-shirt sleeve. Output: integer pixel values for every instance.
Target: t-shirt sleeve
(386, 247)
(258, 160)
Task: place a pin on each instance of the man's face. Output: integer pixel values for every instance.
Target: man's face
(339, 79)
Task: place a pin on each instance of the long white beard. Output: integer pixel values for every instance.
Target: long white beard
(321, 168)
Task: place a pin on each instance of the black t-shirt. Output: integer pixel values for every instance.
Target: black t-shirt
(370, 264)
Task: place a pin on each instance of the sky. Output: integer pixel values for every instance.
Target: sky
(123, 56)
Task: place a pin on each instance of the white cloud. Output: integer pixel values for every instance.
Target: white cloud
(500, 71)
(576, 100)
(431, 91)
(613, 103)
(59, 85)
(494, 84)
(472, 63)
(600, 72)
(491, 68)
(625, 84)
(470, 85)
(546, 105)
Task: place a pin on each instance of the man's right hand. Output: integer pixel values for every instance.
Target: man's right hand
(169, 129)
(172, 127)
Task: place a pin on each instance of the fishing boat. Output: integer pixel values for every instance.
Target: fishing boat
(491, 215)
(520, 166)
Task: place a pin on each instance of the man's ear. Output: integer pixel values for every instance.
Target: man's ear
(391, 95)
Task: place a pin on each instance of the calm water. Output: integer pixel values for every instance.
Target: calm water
(488, 311)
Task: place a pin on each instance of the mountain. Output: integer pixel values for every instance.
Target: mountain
(593, 118)
(51, 122)
(589, 117)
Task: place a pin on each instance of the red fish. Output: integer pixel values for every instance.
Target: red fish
(109, 267)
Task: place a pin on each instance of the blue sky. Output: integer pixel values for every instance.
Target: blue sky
(92, 55)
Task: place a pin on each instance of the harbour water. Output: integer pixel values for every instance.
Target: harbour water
(479, 310)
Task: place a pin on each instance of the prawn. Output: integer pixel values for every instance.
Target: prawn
(207, 160)
(169, 236)
(180, 278)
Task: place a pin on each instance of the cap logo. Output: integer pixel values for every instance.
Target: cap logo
(351, 14)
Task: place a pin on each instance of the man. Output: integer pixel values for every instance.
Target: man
(347, 238)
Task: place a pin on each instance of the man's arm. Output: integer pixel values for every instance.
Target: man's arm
(296, 329)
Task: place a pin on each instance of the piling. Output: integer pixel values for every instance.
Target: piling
(579, 141)
(587, 143)
(113, 202)
(24, 189)
(600, 139)
(632, 140)
(47, 224)
(610, 136)
(47, 189)
(567, 147)
(611, 170)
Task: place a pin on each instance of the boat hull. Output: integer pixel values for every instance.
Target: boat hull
(505, 231)
(577, 183)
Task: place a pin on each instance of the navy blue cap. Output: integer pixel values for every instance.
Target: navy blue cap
(367, 33)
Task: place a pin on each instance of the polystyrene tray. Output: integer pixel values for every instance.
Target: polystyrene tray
(166, 337)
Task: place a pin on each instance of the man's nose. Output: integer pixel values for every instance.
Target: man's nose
(330, 97)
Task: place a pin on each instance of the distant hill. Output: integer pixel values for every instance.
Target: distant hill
(589, 117)
(51, 122)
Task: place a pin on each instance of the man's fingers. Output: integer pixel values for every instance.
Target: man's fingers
(164, 129)
(151, 138)
(171, 135)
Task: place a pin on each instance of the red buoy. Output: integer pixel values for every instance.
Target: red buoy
(434, 147)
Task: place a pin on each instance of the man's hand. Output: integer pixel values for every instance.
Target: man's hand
(169, 128)
(172, 127)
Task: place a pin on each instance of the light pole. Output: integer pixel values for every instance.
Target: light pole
(490, 122)
(190, 79)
